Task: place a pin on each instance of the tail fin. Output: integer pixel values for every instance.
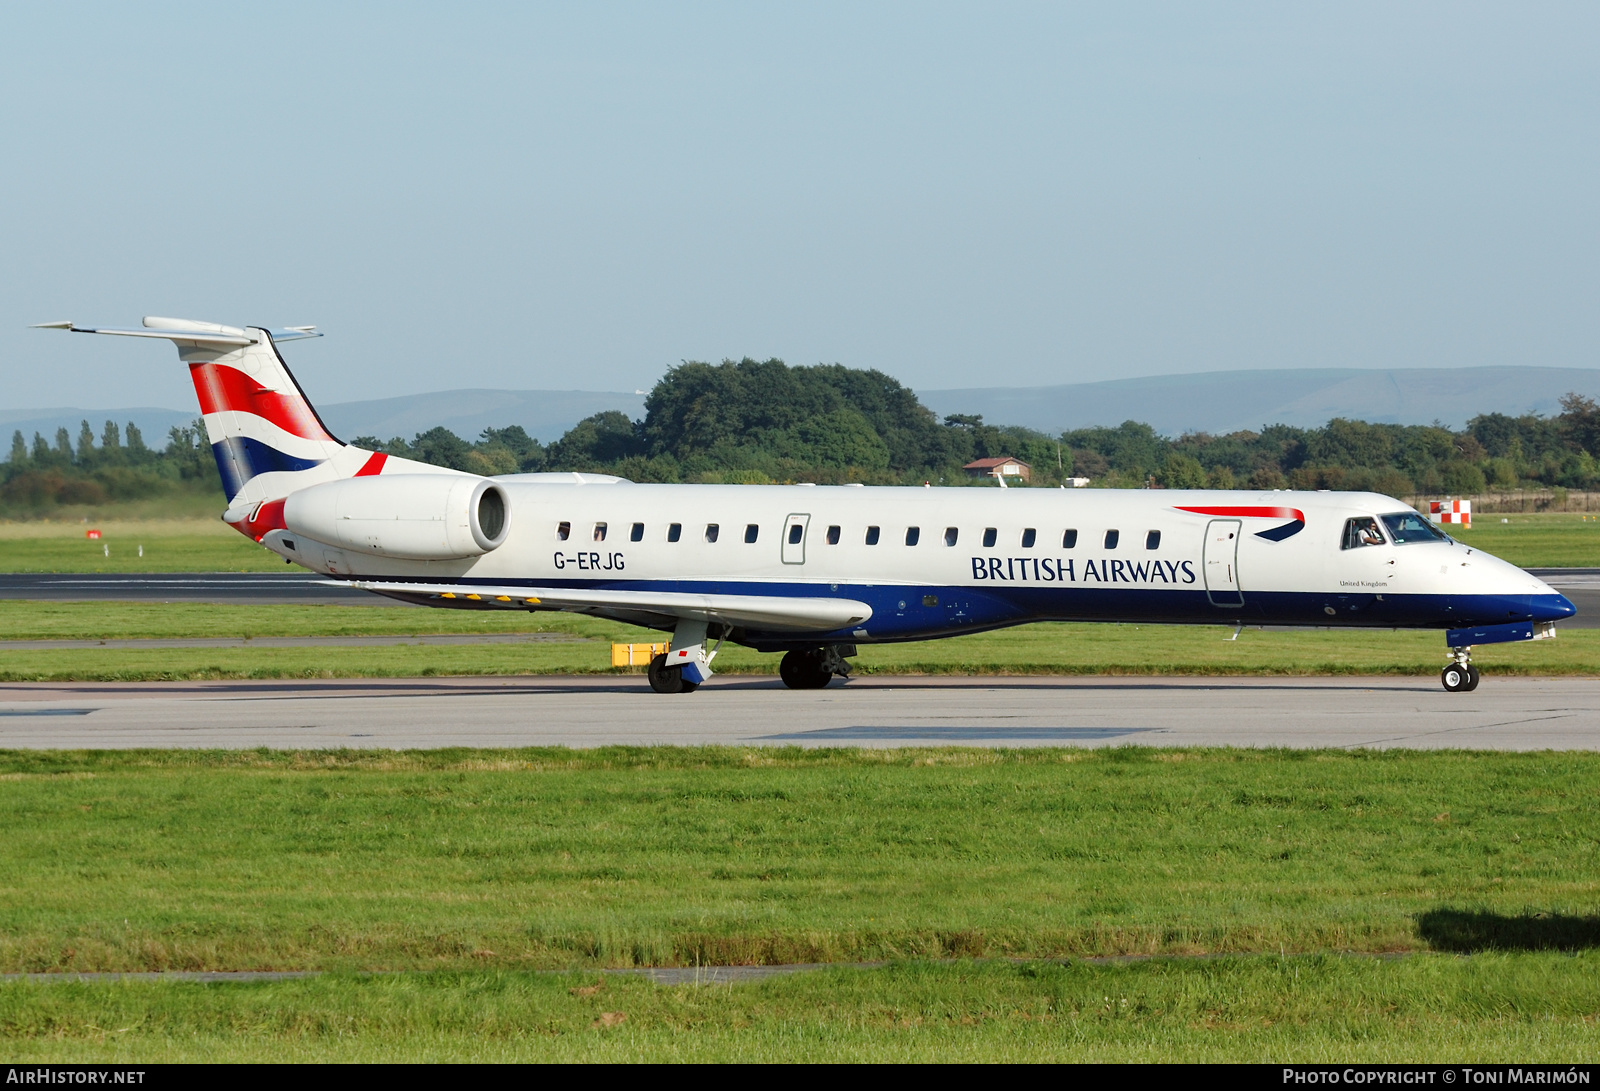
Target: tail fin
(257, 417)
(266, 437)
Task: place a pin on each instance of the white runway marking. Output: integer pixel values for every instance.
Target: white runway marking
(1504, 713)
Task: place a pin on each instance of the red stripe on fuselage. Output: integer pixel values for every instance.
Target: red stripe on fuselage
(1252, 512)
(222, 389)
(373, 466)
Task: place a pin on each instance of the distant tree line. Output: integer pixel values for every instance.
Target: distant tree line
(119, 467)
(763, 421)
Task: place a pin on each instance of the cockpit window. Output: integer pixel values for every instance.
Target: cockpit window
(1406, 527)
(1361, 531)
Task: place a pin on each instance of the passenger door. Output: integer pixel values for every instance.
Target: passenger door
(794, 539)
(1221, 562)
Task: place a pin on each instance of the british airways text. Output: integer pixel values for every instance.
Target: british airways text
(1050, 570)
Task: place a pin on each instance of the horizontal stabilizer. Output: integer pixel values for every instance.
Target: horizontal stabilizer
(795, 613)
(188, 331)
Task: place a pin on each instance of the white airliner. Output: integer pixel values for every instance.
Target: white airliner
(813, 572)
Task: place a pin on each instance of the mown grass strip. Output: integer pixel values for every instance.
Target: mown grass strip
(1506, 1007)
(623, 856)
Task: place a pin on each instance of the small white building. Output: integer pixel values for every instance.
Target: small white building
(999, 467)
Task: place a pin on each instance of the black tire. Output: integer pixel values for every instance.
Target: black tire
(1473, 677)
(804, 670)
(1455, 678)
(664, 679)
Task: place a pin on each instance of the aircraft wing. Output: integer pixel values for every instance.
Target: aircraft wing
(795, 613)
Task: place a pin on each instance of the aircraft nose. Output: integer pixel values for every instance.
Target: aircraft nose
(1551, 607)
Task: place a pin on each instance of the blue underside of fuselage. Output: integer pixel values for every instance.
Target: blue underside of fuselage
(901, 613)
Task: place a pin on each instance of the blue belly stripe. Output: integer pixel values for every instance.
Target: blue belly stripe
(898, 613)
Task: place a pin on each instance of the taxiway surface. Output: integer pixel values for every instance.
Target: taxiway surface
(1503, 714)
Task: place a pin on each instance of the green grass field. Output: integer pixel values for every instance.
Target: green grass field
(1560, 540)
(169, 545)
(208, 545)
(479, 867)
(1491, 1007)
(1029, 649)
(551, 858)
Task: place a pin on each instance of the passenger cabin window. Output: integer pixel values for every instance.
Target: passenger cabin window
(1152, 540)
(912, 534)
(1112, 537)
(1069, 539)
(1407, 528)
(950, 535)
(1028, 538)
(751, 530)
(637, 533)
(833, 535)
(872, 535)
(711, 532)
(794, 534)
(1361, 531)
(599, 532)
(563, 531)
(674, 532)
(989, 536)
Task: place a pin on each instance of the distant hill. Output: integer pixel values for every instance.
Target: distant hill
(1228, 401)
(1213, 401)
(151, 421)
(546, 414)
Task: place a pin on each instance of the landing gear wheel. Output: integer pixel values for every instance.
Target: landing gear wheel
(1457, 678)
(665, 679)
(1473, 676)
(804, 670)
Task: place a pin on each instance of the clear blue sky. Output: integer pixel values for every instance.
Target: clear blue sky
(579, 196)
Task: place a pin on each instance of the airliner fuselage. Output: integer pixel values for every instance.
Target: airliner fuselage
(815, 571)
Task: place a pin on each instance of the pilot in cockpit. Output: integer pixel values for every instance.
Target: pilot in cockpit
(1362, 531)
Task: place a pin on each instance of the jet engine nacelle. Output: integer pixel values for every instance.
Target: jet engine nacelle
(420, 517)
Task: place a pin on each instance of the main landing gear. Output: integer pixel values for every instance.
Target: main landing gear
(665, 679)
(686, 664)
(813, 668)
(1459, 675)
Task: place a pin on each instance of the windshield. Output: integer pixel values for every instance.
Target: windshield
(1406, 527)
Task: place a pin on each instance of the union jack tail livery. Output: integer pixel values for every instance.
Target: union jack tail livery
(266, 437)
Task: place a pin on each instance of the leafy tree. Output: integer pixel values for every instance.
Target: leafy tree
(596, 441)
(1181, 471)
(441, 447)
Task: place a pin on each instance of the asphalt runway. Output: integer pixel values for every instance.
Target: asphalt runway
(225, 588)
(1503, 714)
(436, 639)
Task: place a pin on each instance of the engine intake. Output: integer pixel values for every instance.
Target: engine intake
(419, 517)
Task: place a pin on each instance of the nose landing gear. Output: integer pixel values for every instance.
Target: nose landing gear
(1459, 675)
